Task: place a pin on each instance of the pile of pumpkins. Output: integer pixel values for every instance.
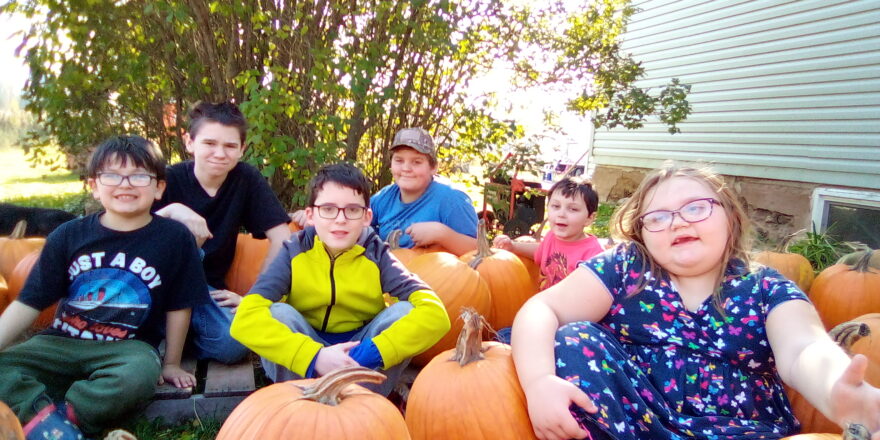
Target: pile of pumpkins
(847, 297)
(18, 254)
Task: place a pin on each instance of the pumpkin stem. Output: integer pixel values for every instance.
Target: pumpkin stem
(484, 249)
(328, 390)
(847, 333)
(864, 263)
(394, 239)
(469, 347)
(18, 231)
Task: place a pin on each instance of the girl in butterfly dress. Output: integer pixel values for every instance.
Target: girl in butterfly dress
(671, 335)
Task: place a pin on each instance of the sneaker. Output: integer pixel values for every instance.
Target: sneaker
(503, 335)
(52, 423)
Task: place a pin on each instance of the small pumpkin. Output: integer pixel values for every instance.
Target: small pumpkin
(842, 292)
(469, 392)
(4, 294)
(458, 286)
(508, 280)
(246, 264)
(10, 427)
(14, 247)
(795, 267)
(333, 407)
(16, 283)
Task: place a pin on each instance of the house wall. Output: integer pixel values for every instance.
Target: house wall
(785, 97)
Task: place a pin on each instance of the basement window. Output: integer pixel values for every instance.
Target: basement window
(848, 215)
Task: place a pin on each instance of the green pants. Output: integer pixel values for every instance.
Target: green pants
(102, 380)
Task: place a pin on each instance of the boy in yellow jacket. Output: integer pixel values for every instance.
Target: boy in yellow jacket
(319, 306)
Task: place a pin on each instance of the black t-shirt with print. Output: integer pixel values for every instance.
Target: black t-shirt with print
(243, 200)
(116, 285)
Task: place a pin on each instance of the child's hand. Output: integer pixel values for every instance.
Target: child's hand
(335, 357)
(855, 401)
(548, 400)
(299, 217)
(226, 298)
(427, 233)
(176, 376)
(503, 242)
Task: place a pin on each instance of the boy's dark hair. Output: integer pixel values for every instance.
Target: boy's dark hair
(140, 151)
(342, 174)
(573, 185)
(225, 113)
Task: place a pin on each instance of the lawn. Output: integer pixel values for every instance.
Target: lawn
(41, 186)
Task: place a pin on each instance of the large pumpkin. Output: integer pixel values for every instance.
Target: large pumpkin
(245, 268)
(861, 335)
(332, 407)
(795, 267)
(16, 282)
(530, 264)
(469, 392)
(405, 255)
(842, 292)
(508, 280)
(4, 294)
(15, 247)
(10, 428)
(458, 286)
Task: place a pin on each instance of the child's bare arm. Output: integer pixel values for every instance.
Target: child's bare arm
(17, 317)
(175, 334)
(523, 249)
(196, 224)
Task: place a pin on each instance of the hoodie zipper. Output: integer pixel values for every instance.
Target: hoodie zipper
(332, 295)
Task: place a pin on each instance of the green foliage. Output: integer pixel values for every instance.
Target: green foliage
(599, 228)
(320, 82)
(821, 249)
(155, 430)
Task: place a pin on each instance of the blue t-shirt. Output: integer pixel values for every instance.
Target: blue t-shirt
(440, 203)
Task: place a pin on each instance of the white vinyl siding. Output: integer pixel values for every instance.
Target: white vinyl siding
(786, 90)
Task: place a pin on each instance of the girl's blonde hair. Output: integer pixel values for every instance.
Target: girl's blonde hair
(626, 225)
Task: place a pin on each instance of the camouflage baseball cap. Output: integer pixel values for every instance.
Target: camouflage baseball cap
(415, 138)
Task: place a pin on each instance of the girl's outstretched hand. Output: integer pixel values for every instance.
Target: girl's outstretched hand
(855, 401)
(549, 398)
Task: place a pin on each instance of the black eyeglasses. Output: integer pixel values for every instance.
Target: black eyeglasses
(113, 179)
(351, 212)
(692, 212)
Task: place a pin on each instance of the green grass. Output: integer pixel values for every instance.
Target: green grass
(41, 186)
(143, 429)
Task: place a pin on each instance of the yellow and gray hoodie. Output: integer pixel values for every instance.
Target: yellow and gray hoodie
(337, 295)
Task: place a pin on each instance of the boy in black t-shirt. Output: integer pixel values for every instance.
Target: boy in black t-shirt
(215, 195)
(118, 274)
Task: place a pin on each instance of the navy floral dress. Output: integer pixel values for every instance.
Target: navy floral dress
(657, 370)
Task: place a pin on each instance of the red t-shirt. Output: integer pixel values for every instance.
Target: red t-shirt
(558, 258)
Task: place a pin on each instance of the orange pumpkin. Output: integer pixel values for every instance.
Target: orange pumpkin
(451, 395)
(4, 294)
(294, 227)
(458, 286)
(530, 264)
(14, 247)
(508, 280)
(10, 428)
(332, 407)
(842, 292)
(795, 267)
(16, 282)
(249, 256)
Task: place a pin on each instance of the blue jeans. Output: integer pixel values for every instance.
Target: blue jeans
(292, 318)
(210, 333)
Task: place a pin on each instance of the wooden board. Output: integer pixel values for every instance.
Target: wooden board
(168, 391)
(229, 380)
